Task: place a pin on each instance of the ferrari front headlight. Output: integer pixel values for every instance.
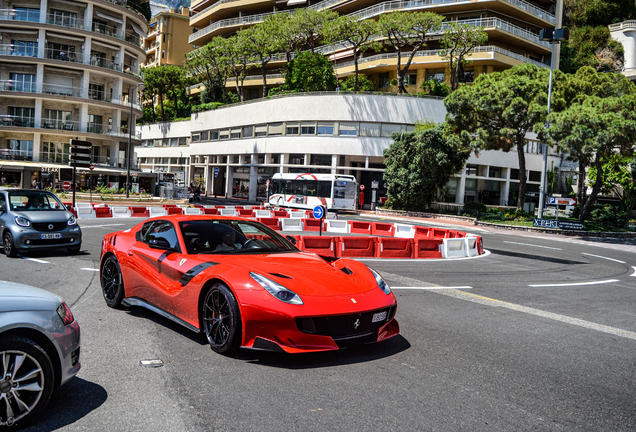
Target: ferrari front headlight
(277, 290)
(381, 282)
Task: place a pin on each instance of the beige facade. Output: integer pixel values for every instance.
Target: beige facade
(167, 40)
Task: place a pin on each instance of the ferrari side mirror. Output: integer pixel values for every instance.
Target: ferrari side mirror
(291, 239)
(159, 243)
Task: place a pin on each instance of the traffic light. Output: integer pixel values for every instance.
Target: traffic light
(80, 154)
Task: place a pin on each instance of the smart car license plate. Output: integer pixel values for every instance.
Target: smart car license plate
(377, 317)
(50, 236)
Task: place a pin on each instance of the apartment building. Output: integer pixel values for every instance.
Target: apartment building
(167, 40)
(625, 33)
(68, 70)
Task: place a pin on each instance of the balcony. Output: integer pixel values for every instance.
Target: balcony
(66, 125)
(15, 155)
(17, 15)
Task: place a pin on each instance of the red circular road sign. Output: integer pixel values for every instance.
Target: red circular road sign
(92, 167)
(361, 187)
(66, 185)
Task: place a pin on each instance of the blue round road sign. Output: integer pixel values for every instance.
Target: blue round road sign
(319, 212)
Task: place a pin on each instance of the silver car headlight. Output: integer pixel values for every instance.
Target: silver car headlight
(72, 220)
(22, 221)
(277, 290)
(380, 281)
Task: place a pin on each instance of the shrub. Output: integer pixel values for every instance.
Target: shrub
(605, 214)
(474, 208)
(364, 83)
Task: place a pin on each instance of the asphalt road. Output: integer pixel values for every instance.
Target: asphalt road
(538, 335)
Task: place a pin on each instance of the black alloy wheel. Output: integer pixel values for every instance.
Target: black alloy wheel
(26, 381)
(221, 319)
(9, 245)
(112, 282)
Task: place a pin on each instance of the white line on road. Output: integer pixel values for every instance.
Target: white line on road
(37, 260)
(526, 244)
(532, 311)
(577, 283)
(100, 226)
(90, 269)
(598, 256)
(634, 274)
(430, 288)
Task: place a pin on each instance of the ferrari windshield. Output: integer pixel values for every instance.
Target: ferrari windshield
(34, 201)
(231, 236)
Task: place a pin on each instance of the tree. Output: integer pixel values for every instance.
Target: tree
(310, 72)
(210, 64)
(457, 42)
(240, 61)
(619, 178)
(175, 79)
(359, 33)
(408, 29)
(593, 132)
(261, 45)
(364, 83)
(418, 164)
(498, 110)
(310, 25)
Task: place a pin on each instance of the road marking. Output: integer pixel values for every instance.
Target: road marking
(577, 283)
(101, 226)
(436, 224)
(430, 288)
(37, 260)
(485, 254)
(598, 256)
(634, 274)
(526, 244)
(90, 269)
(532, 311)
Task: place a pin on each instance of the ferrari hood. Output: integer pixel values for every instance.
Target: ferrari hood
(308, 274)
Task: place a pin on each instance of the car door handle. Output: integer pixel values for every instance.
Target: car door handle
(130, 253)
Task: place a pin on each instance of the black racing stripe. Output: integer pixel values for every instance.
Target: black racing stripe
(187, 277)
(160, 260)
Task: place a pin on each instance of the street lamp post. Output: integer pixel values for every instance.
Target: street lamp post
(131, 124)
(553, 36)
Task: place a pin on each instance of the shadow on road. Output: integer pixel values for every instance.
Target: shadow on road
(69, 403)
(142, 313)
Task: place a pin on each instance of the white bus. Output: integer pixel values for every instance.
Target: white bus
(306, 191)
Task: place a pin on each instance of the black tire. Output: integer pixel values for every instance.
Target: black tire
(221, 319)
(74, 250)
(112, 282)
(32, 383)
(9, 245)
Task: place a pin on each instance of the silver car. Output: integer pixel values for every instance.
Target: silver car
(39, 351)
(35, 220)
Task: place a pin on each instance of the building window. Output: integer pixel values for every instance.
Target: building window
(348, 129)
(205, 135)
(22, 82)
(96, 91)
(158, 142)
(252, 94)
(20, 116)
(535, 176)
(320, 160)
(388, 129)
(275, 159)
(248, 131)
(59, 51)
(410, 79)
(163, 38)
(235, 133)
(224, 134)
(62, 18)
(196, 137)
(370, 129)
(174, 142)
(183, 141)
(275, 129)
(21, 149)
(325, 128)
(292, 129)
(384, 80)
(151, 143)
(297, 159)
(467, 77)
(55, 119)
(308, 129)
(214, 135)
(471, 170)
(260, 130)
(163, 54)
(27, 14)
(435, 76)
(25, 48)
(95, 123)
(144, 143)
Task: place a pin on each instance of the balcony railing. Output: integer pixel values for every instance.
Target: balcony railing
(65, 125)
(16, 155)
(63, 158)
(17, 86)
(16, 15)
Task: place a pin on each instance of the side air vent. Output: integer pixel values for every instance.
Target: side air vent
(114, 239)
(280, 275)
(346, 270)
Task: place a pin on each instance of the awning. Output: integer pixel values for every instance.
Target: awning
(137, 29)
(341, 54)
(296, 2)
(109, 17)
(63, 36)
(102, 44)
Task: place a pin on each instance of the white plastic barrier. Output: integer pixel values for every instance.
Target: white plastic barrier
(297, 214)
(262, 213)
(291, 224)
(157, 211)
(331, 215)
(337, 226)
(83, 204)
(192, 211)
(120, 212)
(248, 207)
(404, 231)
(228, 212)
(85, 212)
(453, 248)
(471, 245)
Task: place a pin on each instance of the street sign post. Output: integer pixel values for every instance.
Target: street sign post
(80, 158)
(66, 185)
(561, 201)
(319, 213)
(216, 171)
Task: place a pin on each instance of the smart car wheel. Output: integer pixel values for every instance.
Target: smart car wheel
(112, 282)
(26, 381)
(9, 245)
(221, 319)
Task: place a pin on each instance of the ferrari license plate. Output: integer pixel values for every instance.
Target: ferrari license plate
(377, 317)
(50, 236)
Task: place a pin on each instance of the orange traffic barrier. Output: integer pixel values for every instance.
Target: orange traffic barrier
(219, 207)
(382, 229)
(480, 244)
(360, 227)
(440, 233)
(389, 247)
(355, 246)
(168, 205)
(427, 248)
(456, 234)
(422, 232)
(142, 211)
(102, 212)
(271, 222)
(322, 245)
(210, 211)
(298, 239)
(72, 210)
(312, 224)
(280, 213)
(245, 213)
(174, 210)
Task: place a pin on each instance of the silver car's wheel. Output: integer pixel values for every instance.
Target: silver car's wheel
(9, 246)
(26, 381)
(112, 282)
(221, 319)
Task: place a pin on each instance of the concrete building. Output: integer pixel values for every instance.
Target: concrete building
(67, 70)
(233, 151)
(625, 33)
(167, 40)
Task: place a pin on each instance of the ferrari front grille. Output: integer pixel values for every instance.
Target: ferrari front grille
(346, 326)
